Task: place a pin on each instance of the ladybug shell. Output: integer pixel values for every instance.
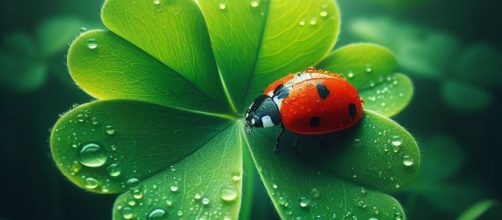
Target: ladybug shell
(316, 103)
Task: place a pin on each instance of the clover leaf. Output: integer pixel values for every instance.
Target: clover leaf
(173, 78)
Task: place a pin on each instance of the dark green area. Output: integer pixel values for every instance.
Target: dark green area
(32, 187)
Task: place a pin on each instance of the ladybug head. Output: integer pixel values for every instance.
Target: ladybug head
(263, 113)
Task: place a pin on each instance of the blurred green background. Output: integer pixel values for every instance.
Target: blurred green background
(452, 51)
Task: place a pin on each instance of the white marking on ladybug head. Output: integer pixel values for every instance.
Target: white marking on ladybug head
(278, 102)
(267, 121)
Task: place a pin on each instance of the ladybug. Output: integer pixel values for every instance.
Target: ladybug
(312, 102)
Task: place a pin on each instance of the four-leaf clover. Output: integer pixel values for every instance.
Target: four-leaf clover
(173, 79)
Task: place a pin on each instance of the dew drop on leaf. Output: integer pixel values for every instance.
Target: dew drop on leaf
(157, 214)
(223, 5)
(304, 202)
(92, 155)
(174, 188)
(133, 183)
(180, 213)
(255, 3)
(236, 176)
(113, 170)
(92, 43)
(127, 213)
(315, 193)
(205, 201)
(110, 130)
(228, 193)
(90, 183)
(137, 194)
(156, 2)
(197, 196)
(408, 160)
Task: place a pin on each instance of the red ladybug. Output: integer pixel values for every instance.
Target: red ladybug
(312, 102)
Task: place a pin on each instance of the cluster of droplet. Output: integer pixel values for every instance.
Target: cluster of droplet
(157, 200)
(313, 20)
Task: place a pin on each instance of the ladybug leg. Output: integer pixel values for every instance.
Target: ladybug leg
(278, 140)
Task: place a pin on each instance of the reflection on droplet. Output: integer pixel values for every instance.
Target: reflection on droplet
(113, 170)
(205, 201)
(92, 155)
(236, 175)
(157, 2)
(255, 3)
(109, 130)
(127, 213)
(223, 5)
(174, 188)
(157, 214)
(90, 183)
(133, 183)
(228, 193)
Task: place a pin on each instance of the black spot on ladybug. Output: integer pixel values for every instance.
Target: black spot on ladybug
(278, 89)
(322, 90)
(352, 110)
(315, 121)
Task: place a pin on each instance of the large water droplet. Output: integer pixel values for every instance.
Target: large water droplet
(92, 155)
(90, 183)
(92, 43)
(304, 202)
(133, 183)
(127, 213)
(228, 193)
(113, 170)
(408, 160)
(157, 214)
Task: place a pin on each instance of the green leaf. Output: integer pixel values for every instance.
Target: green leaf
(174, 33)
(297, 35)
(204, 185)
(480, 63)
(342, 175)
(465, 97)
(370, 68)
(487, 209)
(100, 146)
(55, 34)
(116, 69)
(235, 51)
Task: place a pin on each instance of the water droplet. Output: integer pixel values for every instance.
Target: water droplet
(350, 75)
(304, 202)
(75, 167)
(227, 218)
(173, 168)
(127, 213)
(174, 188)
(157, 214)
(398, 216)
(255, 3)
(313, 21)
(90, 183)
(109, 130)
(302, 22)
(205, 201)
(169, 203)
(80, 118)
(408, 160)
(133, 183)
(156, 2)
(397, 186)
(315, 193)
(236, 175)
(372, 218)
(274, 186)
(137, 194)
(113, 170)
(92, 43)
(92, 155)
(361, 204)
(324, 13)
(197, 196)
(180, 213)
(396, 141)
(228, 193)
(223, 5)
(369, 69)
